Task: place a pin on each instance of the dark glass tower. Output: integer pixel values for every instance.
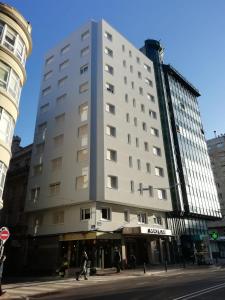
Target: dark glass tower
(192, 185)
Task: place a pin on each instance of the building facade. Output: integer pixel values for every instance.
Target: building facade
(98, 146)
(216, 149)
(15, 46)
(12, 215)
(192, 185)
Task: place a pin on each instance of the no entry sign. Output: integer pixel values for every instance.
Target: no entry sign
(4, 234)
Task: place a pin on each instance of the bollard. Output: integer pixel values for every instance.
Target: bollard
(165, 265)
(144, 268)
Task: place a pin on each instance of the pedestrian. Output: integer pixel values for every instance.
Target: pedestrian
(83, 266)
(64, 266)
(132, 261)
(2, 259)
(117, 260)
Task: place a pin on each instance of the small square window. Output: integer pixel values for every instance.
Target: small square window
(161, 194)
(85, 214)
(84, 51)
(81, 182)
(124, 63)
(83, 87)
(108, 35)
(138, 59)
(64, 65)
(140, 90)
(65, 49)
(129, 138)
(85, 35)
(109, 69)
(142, 218)
(48, 75)
(110, 108)
(111, 131)
(154, 131)
(46, 91)
(151, 97)
(62, 81)
(148, 68)
(132, 186)
(159, 171)
(109, 52)
(126, 216)
(152, 114)
(148, 168)
(112, 182)
(146, 146)
(49, 60)
(142, 108)
(110, 88)
(130, 162)
(148, 82)
(111, 155)
(130, 53)
(83, 69)
(144, 126)
(106, 213)
(82, 155)
(131, 69)
(156, 151)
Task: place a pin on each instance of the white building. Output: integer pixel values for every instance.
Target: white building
(97, 143)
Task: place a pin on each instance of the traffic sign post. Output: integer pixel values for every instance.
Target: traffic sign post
(214, 235)
(4, 234)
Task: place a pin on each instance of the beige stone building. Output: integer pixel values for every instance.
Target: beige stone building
(15, 46)
(98, 142)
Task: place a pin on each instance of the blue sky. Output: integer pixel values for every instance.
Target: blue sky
(192, 32)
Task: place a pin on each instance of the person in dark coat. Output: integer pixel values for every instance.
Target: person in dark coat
(83, 266)
(117, 260)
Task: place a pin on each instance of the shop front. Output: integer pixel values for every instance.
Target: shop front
(147, 244)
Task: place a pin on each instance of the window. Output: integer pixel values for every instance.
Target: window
(151, 97)
(109, 52)
(138, 164)
(148, 81)
(61, 99)
(138, 59)
(142, 218)
(124, 63)
(130, 162)
(146, 146)
(49, 60)
(131, 69)
(58, 217)
(125, 79)
(148, 168)
(111, 155)
(106, 213)
(85, 213)
(142, 108)
(38, 221)
(161, 194)
(58, 140)
(41, 131)
(144, 126)
(62, 81)
(6, 126)
(57, 164)
(126, 216)
(83, 112)
(108, 35)
(40, 148)
(137, 142)
(110, 130)
(148, 68)
(48, 75)
(128, 139)
(4, 74)
(139, 75)
(83, 87)
(83, 69)
(85, 35)
(130, 53)
(134, 103)
(46, 91)
(157, 220)
(156, 151)
(82, 155)
(154, 131)
(3, 170)
(140, 90)
(135, 121)
(132, 84)
(83, 134)
(64, 65)
(123, 48)
(110, 108)
(60, 119)
(109, 69)
(150, 189)
(112, 182)
(34, 194)
(65, 49)
(126, 97)
(84, 51)
(44, 108)
(132, 186)
(81, 182)
(37, 169)
(128, 118)
(159, 171)
(110, 88)
(152, 114)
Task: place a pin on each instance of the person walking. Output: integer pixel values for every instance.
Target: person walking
(83, 267)
(117, 260)
(2, 259)
(64, 266)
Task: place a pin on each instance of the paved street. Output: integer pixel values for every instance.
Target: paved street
(176, 284)
(196, 285)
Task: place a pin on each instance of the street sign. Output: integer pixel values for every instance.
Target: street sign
(214, 235)
(4, 234)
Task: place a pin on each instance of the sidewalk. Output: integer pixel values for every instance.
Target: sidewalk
(44, 286)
